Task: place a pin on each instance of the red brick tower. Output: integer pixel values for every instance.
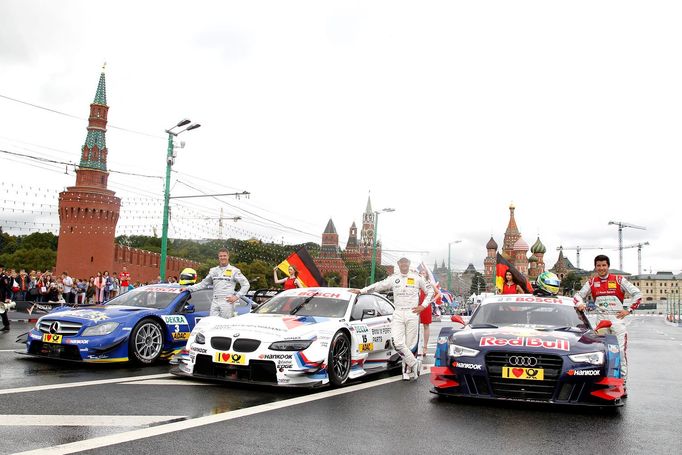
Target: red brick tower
(329, 259)
(511, 235)
(88, 212)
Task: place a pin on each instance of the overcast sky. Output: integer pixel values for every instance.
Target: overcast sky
(445, 111)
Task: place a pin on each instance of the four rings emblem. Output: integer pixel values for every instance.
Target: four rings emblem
(523, 361)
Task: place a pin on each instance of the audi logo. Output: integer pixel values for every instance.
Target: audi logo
(521, 361)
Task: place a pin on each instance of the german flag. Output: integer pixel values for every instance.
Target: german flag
(308, 273)
(501, 268)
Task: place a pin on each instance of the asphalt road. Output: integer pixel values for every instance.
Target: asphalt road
(106, 409)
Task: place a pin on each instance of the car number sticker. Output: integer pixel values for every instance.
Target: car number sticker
(531, 374)
(229, 358)
(363, 347)
(50, 338)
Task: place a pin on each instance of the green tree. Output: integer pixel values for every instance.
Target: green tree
(44, 240)
(571, 283)
(477, 284)
(333, 279)
(33, 259)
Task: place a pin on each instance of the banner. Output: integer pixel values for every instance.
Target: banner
(308, 273)
(501, 268)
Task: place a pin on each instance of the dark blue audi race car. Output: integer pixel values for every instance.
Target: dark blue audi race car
(530, 349)
(143, 325)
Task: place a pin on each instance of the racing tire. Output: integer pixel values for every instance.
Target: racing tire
(146, 342)
(338, 362)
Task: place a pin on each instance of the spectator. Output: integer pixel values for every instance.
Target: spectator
(24, 281)
(67, 281)
(91, 291)
(125, 280)
(114, 286)
(99, 288)
(4, 294)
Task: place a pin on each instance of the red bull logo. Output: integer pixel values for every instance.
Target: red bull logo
(531, 342)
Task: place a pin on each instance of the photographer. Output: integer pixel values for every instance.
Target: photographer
(4, 296)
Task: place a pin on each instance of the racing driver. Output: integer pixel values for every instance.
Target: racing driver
(405, 324)
(608, 291)
(224, 279)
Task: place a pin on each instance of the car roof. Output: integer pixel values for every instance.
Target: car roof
(335, 293)
(528, 298)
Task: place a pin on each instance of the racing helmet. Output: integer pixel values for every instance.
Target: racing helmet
(547, 283)
(188, 276)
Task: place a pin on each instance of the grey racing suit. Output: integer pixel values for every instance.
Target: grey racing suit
(224, 281)
(608, 294)
(405, 323)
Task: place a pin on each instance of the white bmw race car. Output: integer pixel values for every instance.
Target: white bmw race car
(302, 337)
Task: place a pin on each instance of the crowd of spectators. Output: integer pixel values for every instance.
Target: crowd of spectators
(46, 287)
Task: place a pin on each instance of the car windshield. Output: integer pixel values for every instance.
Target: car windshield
(149, 297)
(537, 314)
(305, 306)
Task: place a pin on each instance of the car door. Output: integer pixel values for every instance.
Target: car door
(372, 331)
(181, 323)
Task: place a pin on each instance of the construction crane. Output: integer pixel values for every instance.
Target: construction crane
(639, 254)
(577, 251)
(621, 225)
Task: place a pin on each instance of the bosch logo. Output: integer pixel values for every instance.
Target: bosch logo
(54, 327)
(522, 361)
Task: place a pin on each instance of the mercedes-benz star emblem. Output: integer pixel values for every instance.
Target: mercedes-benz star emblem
(54, 327)
(522, 361)
(235, 335)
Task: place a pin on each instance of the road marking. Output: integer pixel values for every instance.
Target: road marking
(67, 385)
(83, 420)
(7, 350)
(103, 441)
(168, 382)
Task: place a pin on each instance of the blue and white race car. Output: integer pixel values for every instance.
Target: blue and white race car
(301, 337)
(143, 325)
(532, 349)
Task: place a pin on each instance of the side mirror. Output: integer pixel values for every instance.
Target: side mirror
(370, 313)
(188, 308)
(458, 319)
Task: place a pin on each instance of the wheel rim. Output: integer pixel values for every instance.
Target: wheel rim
(341, 357)
(148, 341)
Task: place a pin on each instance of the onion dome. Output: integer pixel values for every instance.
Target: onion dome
(538, 247)
(491, 245)
(520, 245)
(533, 258)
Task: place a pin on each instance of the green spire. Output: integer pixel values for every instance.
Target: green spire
(101, 95)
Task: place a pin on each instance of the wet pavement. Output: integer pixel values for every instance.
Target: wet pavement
(128, 405)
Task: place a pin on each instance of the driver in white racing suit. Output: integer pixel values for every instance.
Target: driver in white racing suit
(405, 322)
(224, 279)
(608, 292)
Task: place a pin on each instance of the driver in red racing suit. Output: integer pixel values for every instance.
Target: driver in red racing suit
(608, 292)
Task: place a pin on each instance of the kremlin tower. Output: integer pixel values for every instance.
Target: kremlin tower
(88, 212)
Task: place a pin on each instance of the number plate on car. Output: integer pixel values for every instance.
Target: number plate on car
(50, 338)
(362, 347)
(230, 358)
(531, 374)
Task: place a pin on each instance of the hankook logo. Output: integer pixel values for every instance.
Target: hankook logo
(54, 327)
(522, 361)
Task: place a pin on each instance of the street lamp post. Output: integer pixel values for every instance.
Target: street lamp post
(170, 158)
(374, 244)
(449, 270)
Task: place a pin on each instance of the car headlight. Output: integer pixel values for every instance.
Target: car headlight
(200, 338)
(100, 329)
(461, 351)
(291, 345)
(593, 358)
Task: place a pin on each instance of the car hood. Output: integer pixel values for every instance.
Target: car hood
(528, 339)
(95, 315)
(267, 327)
